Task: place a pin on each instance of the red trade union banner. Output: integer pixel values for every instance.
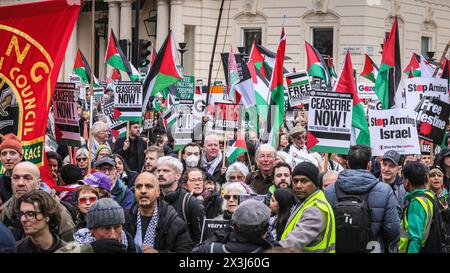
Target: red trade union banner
(33, 41)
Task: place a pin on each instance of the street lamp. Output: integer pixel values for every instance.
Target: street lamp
(182, 49)
(101, 26)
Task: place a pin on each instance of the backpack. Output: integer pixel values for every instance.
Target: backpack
(435, 241)
(184, 207)
(353, 222)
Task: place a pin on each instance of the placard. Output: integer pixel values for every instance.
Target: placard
(432, 119)
(393, 129)
(210, 226)
(416, 88)
(299, 88)
(65, 112)
(128, 101)
(329, 122)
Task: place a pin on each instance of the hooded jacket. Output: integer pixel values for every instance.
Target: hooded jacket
(171, 231)
(381, 201)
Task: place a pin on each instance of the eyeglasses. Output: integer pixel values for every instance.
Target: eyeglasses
(106, 170)
(196, 180)
(237, 177)
(29, 215)
(81, 159)
(84, 200)
(228, 197)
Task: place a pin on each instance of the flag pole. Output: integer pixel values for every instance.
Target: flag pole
(439, 64)
(224, 150)
(213, 53)
(325, 163)
(91, 86)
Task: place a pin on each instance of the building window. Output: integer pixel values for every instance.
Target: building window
(249, 35)
(323, 41)
(425, 45)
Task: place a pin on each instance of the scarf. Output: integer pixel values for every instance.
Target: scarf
(210, 167)
(150, 233)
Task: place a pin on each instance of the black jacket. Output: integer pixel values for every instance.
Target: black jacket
(228, 241)
(195, 212)
(134, 156)
(27, 246)
(5, 188)
(171, 232)
(213, 206)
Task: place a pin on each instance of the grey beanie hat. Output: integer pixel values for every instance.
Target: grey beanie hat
(251, 213)
(105, 212)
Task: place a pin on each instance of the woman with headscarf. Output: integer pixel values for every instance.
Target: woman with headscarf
(281, 203)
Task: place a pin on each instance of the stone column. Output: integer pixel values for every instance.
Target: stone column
(125, 21)
(71, 54)
(162, 23)
(113, 23)
(113, 17)
(176, 13)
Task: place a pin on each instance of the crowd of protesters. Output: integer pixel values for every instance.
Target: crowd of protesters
(138, 195)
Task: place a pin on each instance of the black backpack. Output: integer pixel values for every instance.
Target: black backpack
(435, 241)
(353, 222)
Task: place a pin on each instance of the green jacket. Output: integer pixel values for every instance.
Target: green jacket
(416, 221)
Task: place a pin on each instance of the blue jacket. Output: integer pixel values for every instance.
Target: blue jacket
(122, 194)
(381, 201)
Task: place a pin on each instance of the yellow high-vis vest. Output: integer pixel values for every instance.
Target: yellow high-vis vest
(328, 242)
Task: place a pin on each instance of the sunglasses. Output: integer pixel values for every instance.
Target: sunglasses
(228, 197)
(81, 159)
(84, 200)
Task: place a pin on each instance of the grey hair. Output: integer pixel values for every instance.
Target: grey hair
(236, 167)
(99, 126)
(173, 163)
(81, 152)
(212, 137)
(267, 147)
(238, 187)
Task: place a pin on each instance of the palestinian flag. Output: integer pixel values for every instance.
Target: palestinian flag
(238, 147)
(256, 60)
(115, 74)
(233, 77)
(243, 84)
(346, 84)
(169, 118)
(115, 58)
(316, 65)
(445, 69)
(82, 69)
(331, 67)
(269, 61)
(389, 75)
(420, 67)
(163, 72)
(275, 118)
(119, 129)
(370, 70)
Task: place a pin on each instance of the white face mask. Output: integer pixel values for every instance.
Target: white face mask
(192, 161)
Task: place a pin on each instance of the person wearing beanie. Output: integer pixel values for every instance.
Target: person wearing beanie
(311, 225)
(70, 174)
(11, 153)
(249, 226)
(102, 151)
(104, 232)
